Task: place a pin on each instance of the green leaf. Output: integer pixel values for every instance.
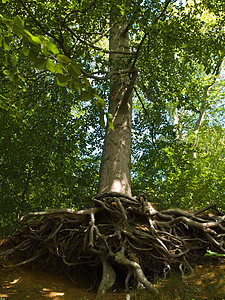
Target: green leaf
(33, 38)
(26, 50)
(110, 120)
(100, 100)
(62, 80)
(59, 68)
(6, 45)
(11, 77)
(7, 72)
(18, 30)
(86, 81)
(33, 54)
(52, 47)
(74, 66)
(85, 96)
(63, 58)
(19, 21)
(50, 65)
(45, 50)
(211, 253)
(40, 63)
(77, 84)
(73, 73)
(5, 20)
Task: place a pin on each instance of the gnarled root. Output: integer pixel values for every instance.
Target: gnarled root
(108, 279)
(119, 232)
(121, 259)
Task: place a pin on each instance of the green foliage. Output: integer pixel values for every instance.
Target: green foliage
(179, 65)
(211, 253)
(44, 55)
(50, 134)
(173, 172)
(44, 159)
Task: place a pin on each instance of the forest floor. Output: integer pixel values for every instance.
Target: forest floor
(31, 282)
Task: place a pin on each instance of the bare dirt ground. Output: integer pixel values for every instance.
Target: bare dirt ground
(31, 282)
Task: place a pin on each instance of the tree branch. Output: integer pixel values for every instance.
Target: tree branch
(76, 11)
(142, 104)
(108, 75)
(147, 33)
(45, 31)
(96, 47)
(37, 22)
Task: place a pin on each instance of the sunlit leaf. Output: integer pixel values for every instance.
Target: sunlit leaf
(50, 65)
(6, 72)
(59, 68)
(63, 58)
(6, 45)
(52, 47)
(33, 38)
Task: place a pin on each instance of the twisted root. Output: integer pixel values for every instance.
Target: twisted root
(122, 233)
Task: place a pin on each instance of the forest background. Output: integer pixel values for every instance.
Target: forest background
(54, 90)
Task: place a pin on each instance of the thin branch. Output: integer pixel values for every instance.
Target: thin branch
(162, 12)
(76, 11)
(91, 75)
(108, 75)
(96, 47)
(45, 31)
(102, 35)
(147, 33)
(138, 49)
(79, 11)
(142, 104)
(38, 23)
(147, 114)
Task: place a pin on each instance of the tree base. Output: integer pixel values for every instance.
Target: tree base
(125, 234)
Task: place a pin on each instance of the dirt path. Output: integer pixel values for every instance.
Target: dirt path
(24, 283)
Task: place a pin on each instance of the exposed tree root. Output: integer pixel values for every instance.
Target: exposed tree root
(122, 233)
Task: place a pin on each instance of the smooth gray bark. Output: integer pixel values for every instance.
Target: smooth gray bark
(116, 157)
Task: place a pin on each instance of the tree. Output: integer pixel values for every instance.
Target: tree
(142, 21)
(152, 46)
(116, 157)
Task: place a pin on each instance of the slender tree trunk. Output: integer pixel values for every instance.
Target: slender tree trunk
(116, 157)
(203, 107)
(178, 123)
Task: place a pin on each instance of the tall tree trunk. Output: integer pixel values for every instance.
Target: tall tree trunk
(116, 157)
(205, 96)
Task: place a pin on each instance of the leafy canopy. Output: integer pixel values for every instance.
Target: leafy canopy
(55, 62)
